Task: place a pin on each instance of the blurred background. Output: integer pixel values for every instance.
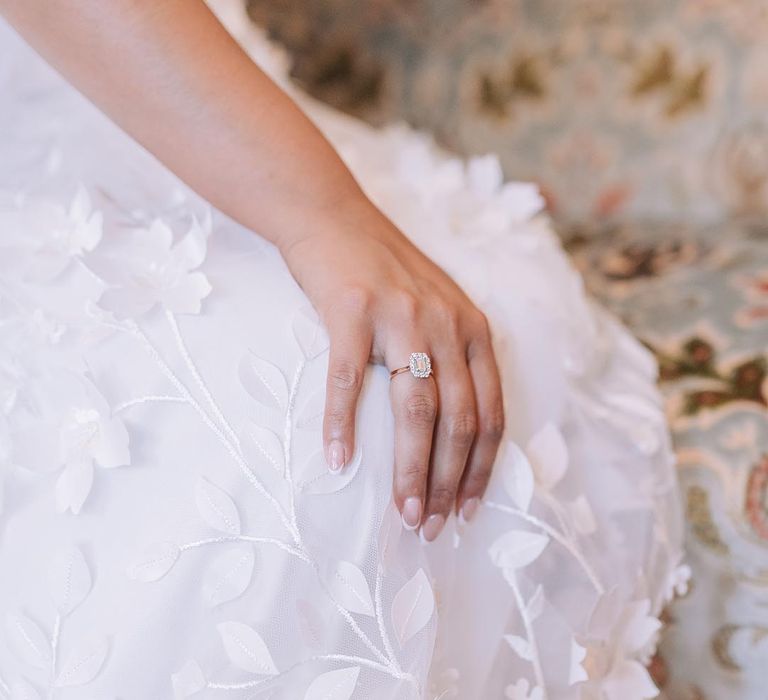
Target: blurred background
(645, 124)
(652, 109)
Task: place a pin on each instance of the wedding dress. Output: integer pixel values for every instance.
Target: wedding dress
(168, 526)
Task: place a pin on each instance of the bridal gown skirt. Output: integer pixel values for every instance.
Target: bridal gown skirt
(168, 525)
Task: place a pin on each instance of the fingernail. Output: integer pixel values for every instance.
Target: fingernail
(469, 509)
(433, 527)
(335, 456)
(411, 513)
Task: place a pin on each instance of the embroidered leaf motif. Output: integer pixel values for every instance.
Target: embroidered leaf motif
(517, 549)
(217, 507)
(188, 680)
(582, 516)
(311, 625)
(73, 486)
(246, 649)
(316, 479)
(69, 579)
(311, 413)
(309, 333)
(22, 690)
(412, 606)
(229, 575)
(349, 588)
(521, 646)
(82, 664)
(389, 534)
(28, 641)
(334, 685)
(549, 456)
(264, 381)
(157, 561)
(577, 672)
(535, 605)
(517, 475)
(262, 446)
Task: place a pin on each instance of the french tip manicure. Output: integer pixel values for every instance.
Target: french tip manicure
(411, 514)
(469, 509)
(432, 527)
(335, 456)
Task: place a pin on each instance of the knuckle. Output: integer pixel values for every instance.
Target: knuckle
(477, 479)
(421, 409)
(412, 477)
(492, 426)
(461, 429)
(441, 497)
(448, 317)
(345, 376)
(356, 299)
(406, 307)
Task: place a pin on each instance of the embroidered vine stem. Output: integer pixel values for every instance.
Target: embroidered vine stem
(408, 677)
(380, 616)
(555, 535)
(529, 633)
(232, 449)
(288, 438)
(227, 439)
(54, 653)
(192, 367)
(4, 687)
(147, 399)
(247, 538)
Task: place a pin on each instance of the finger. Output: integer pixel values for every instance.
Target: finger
(454, 435)
(349, 353)
(414, 404)
(490, 426)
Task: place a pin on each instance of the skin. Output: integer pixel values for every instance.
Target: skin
(169, 74)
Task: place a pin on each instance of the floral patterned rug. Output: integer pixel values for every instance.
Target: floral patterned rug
(699, 300)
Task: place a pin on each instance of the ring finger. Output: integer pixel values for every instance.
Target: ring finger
(414, 405)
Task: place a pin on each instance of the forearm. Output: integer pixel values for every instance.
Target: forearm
(169, 74)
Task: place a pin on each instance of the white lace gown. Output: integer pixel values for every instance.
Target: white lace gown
(168, 527)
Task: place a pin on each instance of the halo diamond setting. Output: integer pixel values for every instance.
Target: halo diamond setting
(420, 365)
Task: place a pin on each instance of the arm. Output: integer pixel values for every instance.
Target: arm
(171, 76)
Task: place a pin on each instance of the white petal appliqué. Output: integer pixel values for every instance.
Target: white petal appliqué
(28, 641)
(334, 685)
(216, 507)
(69, 579)
(577, 672)
(246, 649)
(517, 549)
(349, 588)
(412, 607)
(83, 664)
(157, 561)
(521, 646)
(310, 416)
(188, 680)
(73, 486)
(582, 516)
(264, 381)
(517, 475)
(229, 575)
(549, 456)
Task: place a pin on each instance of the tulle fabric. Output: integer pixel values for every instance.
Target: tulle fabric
(168, 525)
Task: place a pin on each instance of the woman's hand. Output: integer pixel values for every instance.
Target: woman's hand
(222, 125)
(381, 299)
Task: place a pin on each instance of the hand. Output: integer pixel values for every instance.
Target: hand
(381, 299)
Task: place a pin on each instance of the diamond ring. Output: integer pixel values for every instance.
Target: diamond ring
(419, 365)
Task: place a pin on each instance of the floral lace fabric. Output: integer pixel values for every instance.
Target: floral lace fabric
(168, 527)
